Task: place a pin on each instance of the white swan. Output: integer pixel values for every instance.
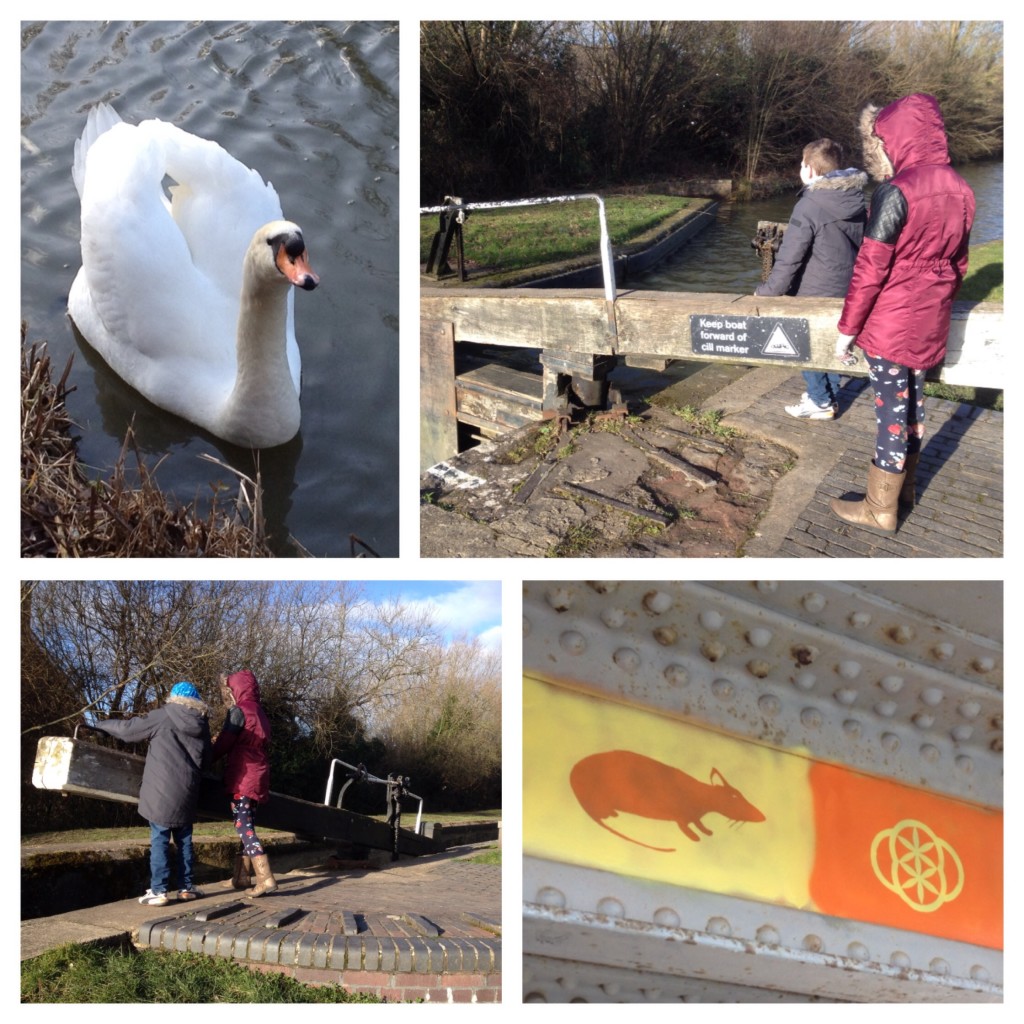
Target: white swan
(178, 295)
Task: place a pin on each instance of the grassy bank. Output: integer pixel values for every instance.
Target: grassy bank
(984, 280)
(98, 974)
(504, 241)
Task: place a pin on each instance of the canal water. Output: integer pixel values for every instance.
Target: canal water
(314, 109)
(721, 259)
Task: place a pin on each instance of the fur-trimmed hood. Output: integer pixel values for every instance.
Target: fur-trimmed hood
(851, 177)
(191, 703)
(904, 134)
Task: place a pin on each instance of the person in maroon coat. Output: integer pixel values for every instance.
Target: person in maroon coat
(244, 740)
(911, 264)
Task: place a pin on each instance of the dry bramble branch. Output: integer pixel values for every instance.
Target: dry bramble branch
(65, 514)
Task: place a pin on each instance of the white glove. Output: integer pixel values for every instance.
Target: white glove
(843, 344)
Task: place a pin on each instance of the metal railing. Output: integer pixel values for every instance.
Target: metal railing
(362, 775)
(457, 207)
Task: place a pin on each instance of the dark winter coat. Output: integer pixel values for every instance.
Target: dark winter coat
(179, 749)
(244, 741)
(914, 254)
(820, 245)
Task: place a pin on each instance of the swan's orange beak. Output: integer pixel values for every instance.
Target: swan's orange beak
(296, 268)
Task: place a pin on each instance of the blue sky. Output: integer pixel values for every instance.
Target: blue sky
(460, 607)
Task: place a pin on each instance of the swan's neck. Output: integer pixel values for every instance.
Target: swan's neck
(263, 383)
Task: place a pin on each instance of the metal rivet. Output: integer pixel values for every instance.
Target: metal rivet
(860, 620)
(923, 720)
(722, 689)
(814, 602)
(759, 669)
(979, 973)
(657, 601)
(811, 718)
(900, 959)
(983, 664)
(767, 586)
(969, 709)
(852, 728)
(939, 966)
(849, 669)
(603, 586)
(665, 635)
(613, 618)
(560, 598)
(768, 934)
(719, 926)
(932, 696)
(890, 742)
(965, 764)
(805, 680)
(677, 675)
(712, 620)
(886, 708)
(572, 642)
(769, 705)
(962, 733)
(943, 652)
(813, 943)
(759, 637)
(858, 951)
(611, 907)
(666, 917)
(892, 684)
(900, 634)
(551, 897)
(627, 659)
(846, 696)
(930, 753)
(712, 650)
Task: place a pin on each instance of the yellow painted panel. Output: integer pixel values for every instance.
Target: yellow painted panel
(601, 778)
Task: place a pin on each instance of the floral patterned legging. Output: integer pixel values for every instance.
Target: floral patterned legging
(899, 412)
(242, 809)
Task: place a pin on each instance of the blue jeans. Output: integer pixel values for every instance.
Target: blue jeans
(822, 388)
(159, 855)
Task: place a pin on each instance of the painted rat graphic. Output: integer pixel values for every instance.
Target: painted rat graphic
(620, 780)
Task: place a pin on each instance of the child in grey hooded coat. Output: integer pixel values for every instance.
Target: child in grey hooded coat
(179, 750)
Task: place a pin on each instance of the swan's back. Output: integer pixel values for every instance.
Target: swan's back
(158, 292)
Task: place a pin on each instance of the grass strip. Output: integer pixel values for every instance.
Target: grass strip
(524, 237)
(78, 973)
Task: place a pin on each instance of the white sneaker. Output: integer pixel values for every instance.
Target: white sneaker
(155, 899)
(808, 410)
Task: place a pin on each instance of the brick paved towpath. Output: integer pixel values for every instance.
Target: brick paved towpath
(959, 513)
(425, 928)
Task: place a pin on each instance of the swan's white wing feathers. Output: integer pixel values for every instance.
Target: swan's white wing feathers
(158, 292)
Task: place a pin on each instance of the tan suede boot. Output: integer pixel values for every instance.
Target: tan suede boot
(265, 881)
(242, 878)
(876, 511)
(908, 493)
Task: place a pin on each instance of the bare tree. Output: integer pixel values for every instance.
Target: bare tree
(958, 62)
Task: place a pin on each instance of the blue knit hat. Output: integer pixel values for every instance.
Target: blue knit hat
(185, 690)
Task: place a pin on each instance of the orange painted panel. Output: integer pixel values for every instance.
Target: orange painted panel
(905, 857)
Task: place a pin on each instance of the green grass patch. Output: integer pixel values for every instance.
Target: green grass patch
(503, 241)
(984, 280)
(140, 833)
(708, 422)
(489, 856)
(101, 974)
